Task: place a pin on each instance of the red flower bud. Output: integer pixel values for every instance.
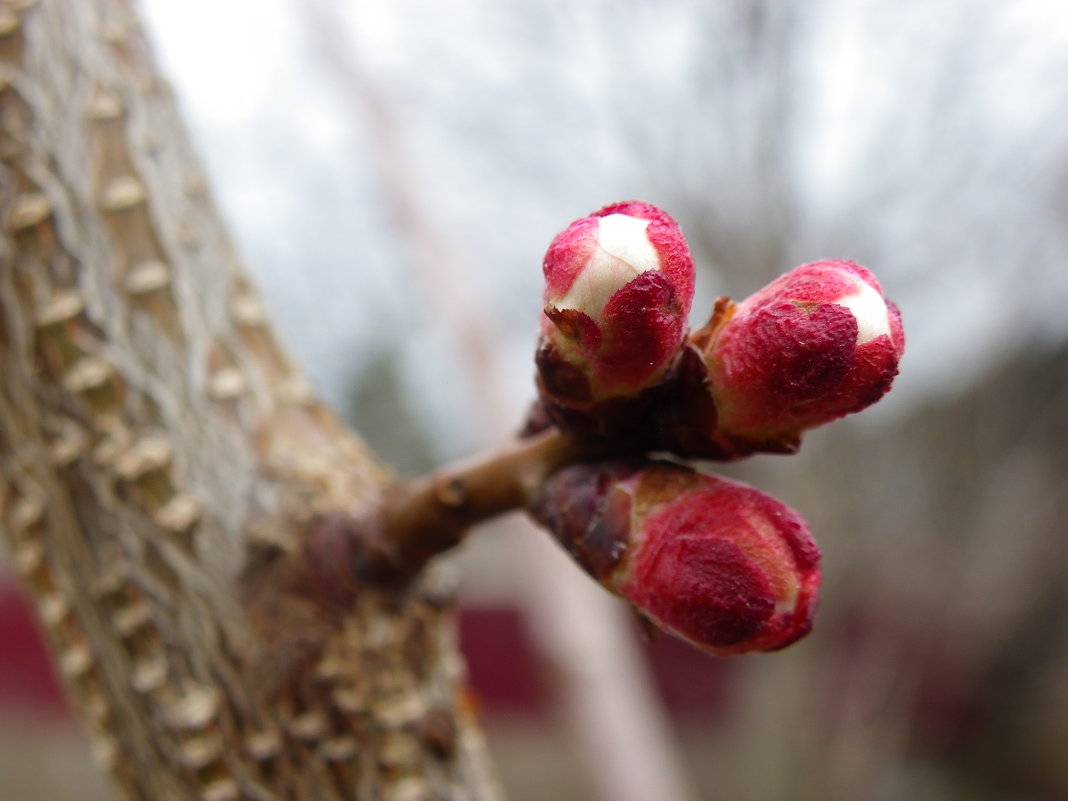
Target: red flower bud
(716, 562)
(618, 289)
(818, 343)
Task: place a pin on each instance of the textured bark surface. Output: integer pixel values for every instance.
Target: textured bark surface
(161, 463)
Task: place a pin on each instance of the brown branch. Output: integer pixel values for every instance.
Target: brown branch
(413, 522)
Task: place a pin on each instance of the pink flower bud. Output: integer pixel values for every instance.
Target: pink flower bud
(618, 289)
(818, 343)
(716, 562)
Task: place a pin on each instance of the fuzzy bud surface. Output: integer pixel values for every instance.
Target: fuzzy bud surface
(820, 342)
(716, 562)
(618, 290)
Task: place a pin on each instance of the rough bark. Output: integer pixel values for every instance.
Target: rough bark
(163, 466)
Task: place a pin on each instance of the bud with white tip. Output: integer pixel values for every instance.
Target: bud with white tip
(817, 343)
(618, 289)
(820, 342)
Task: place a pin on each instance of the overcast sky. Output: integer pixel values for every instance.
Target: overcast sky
(926, 139)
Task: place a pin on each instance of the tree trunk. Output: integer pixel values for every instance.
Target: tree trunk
(163, 466)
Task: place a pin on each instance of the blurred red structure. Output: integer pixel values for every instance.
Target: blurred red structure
(506, 673)
(27, 679)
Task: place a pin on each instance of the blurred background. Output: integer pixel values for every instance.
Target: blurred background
(393, 171)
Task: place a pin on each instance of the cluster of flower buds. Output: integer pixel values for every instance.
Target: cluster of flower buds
(618, 289)
(716, 562)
